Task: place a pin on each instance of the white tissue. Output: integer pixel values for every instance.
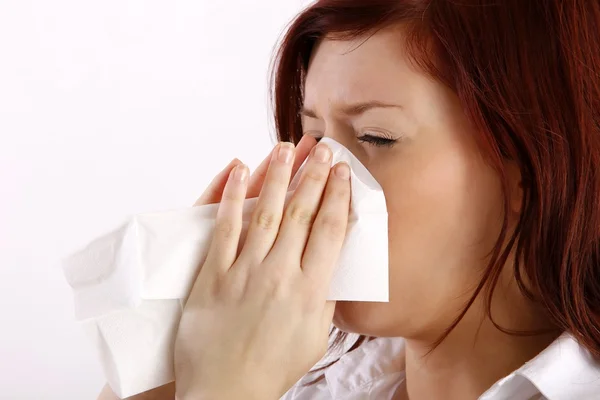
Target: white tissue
(130, 284)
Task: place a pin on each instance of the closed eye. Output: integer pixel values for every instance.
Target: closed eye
(373, 140)
(377, 140)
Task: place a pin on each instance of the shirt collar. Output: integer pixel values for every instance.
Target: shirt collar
(370, 362)
(563, 371)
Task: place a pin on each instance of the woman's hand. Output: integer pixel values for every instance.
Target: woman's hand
(214, 191)
(255, 323)
(212, 194)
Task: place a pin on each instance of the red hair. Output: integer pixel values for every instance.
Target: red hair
(528, 76)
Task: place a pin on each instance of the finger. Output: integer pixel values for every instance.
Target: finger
(266, 217)
(308, 143)
(212, 194)
(303, 206)
(329, 229)
(258, 176)
(303, 149)
(228, 223)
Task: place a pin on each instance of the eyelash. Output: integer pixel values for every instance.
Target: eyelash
(377, 141)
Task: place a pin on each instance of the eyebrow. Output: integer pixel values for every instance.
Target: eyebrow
(353, 109)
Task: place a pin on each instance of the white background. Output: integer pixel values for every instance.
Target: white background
(109, 108)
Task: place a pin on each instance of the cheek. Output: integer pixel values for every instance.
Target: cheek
(445, 202)
(445, 212)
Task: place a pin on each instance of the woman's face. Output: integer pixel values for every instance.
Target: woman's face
(444, 201)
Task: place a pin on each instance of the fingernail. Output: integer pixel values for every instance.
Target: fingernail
(322, 153)
(286, 151)
(342, 171)
(240, 173)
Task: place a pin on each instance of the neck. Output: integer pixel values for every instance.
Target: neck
(475, 354)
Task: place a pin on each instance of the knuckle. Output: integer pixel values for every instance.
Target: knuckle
(234, 290)
(276, 277)
(281, 282)
(332, 225)
(316, 175)
(279, 289)
(338, 193)
(300, 214)
(225, 228)
(265, 219)
(231, 195)
(274, 283)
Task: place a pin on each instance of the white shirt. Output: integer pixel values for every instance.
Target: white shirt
(563, 371)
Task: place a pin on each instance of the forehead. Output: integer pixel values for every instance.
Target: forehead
(363, 69)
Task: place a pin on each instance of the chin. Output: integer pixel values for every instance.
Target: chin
(367, 318)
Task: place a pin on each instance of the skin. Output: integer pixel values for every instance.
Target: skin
(245, 308)
(272, 290)
(445, 207)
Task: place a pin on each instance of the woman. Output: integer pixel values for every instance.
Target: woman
(480, 119)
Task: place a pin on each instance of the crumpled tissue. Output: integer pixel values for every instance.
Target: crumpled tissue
(130, 284)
